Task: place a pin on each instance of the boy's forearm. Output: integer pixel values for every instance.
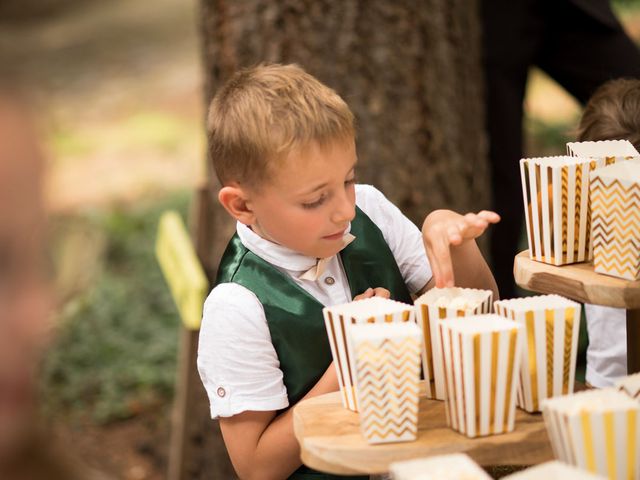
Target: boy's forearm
(470, 268)
(277, 454)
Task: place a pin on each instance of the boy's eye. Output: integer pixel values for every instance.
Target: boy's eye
(315, 204)
(350, 181)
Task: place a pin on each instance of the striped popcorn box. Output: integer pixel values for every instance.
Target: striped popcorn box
(551, 325)
(556, 199)
(387, 373)
(610, 150)
(481, 355)
(554, 470)
(338, 319)
(630, 385)
(456, 466)
(437, 304)
(597, 430)
(615, 206)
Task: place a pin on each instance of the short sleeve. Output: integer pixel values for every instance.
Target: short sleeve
(400, 233)
(237, 362)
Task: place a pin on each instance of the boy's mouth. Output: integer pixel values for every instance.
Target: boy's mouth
(335, 236)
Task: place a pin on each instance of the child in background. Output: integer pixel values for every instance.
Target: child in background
(283, 148)
(612, 113)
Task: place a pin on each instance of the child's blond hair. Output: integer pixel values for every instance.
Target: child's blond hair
(613, 113)
(263, 113)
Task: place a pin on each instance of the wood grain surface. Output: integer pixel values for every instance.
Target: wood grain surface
(577, 281)
(330, 439)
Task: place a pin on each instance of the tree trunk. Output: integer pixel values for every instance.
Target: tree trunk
(410, 71)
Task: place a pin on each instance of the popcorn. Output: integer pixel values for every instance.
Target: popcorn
(552, 324)
(433, 307)
(457, 303)
(338, 320)
(597, 430)
(457, 466)
(553, 471)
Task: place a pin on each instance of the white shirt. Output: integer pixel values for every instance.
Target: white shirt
(237, 362)
(607, 349)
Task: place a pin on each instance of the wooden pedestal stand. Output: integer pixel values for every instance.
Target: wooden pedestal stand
(330, 439)
(580, 283)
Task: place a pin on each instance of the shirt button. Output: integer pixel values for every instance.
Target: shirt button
(221, 392)
(329, 280)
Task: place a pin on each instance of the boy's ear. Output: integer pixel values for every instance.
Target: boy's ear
(236, 201)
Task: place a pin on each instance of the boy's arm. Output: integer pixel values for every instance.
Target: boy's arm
(453, 254)
(262, 445)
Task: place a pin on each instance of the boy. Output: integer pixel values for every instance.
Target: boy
(283, 147)
(612, 113)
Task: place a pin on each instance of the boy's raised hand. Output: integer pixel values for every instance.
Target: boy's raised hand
(443, 230)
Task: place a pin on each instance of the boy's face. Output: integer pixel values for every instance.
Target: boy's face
(309, 202)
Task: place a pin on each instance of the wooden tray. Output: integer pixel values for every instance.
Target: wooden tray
(577, 281)
(330, 439)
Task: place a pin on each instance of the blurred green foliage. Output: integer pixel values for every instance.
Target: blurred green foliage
(115, 350)
(149, 131)
(546, 139)
(626, 3)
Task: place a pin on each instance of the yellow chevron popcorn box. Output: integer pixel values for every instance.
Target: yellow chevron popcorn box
(548, 365)
(596, 430)
(338, 321)
(387, 374)
(481, 355)
(615, 206)
(455, 466)
(553, 470)
(438, 304)
(610, 150)
(556, 206)
(629, 385)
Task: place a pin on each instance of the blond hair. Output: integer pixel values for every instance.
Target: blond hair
(263, 113)
(613, 113)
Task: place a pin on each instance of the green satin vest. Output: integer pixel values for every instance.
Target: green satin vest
(295, 317)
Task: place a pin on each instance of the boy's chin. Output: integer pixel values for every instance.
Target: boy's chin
(324, 252)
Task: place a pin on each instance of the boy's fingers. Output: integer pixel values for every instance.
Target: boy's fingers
(381, 292)
(489, 216)
(442, 267)
(455, 234)
(368, 293)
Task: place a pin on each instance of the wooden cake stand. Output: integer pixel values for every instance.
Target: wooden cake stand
(579, 282)
(330, 439)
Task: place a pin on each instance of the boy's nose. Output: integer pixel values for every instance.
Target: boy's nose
(345, 209)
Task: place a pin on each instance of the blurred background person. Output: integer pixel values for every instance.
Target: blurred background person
(580, 44)
(612, 113)
(26, 449)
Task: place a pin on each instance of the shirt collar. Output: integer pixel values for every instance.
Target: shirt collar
(279, 255)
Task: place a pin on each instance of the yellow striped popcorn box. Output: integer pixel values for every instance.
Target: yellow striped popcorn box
(615, 207)
(630, 385)
(438, 304)
(556, 207)
(456, 466)
(596, 430)
(387, 373)
(338, 319)
(551, 325)
(554, 470)
(610, 150)
(481, 355)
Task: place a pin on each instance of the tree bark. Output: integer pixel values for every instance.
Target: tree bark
(410, 71)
